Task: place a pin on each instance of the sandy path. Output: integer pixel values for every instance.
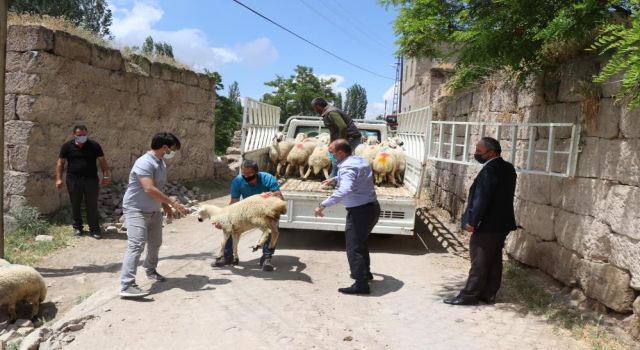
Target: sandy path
(294, 307)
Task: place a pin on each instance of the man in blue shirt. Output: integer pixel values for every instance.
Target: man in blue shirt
(356, 191)
(249, 183)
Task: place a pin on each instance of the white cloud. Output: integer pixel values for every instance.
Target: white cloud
(190, 45)
(377, 108)
(337, 85)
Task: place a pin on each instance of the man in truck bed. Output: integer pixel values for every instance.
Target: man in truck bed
(340, 126)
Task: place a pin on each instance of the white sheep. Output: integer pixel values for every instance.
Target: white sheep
(366, 141)
(278, 152)
(21, 283)
(384, 166)
(299, 155)
(319, 161)
(258, 211)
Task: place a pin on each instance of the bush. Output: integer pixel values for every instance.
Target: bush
(27, 221)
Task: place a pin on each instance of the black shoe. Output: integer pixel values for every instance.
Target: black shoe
(266, 264)
(356, 288)
(77, 232)
(96, 234)
(155, 276)
(460, 300)
(222, 261)
(488, 300)
(369, 276)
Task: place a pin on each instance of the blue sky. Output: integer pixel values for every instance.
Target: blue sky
(223, 36)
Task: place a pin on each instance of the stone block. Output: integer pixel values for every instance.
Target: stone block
(585, 235)
(584, 196)
(622, 210)
(607, 120)
(589, 158)
(73, 47)
(9, 107)
(559, 262)
(107, 58)
(531, 94)
(561, 113)
(625, 254)
(533, 188)
(205, 82)
(576, 78)
(537, 220)
(607, 284)
(620, 161)
(630, 123)
(29, 38)
(190, 78)
(504, 98)
(23, 83)
(523, 247)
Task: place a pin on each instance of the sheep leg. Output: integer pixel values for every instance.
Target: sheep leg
(301, 169)
(307, 174)
(287, 171)
(325, 171)
(236, 259)
(275, 234)
(263, 238)
(12, 312)
(392, 178)
(35, 306)
(278, 169)
(224, 242)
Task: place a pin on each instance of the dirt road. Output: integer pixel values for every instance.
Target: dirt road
(294, 307)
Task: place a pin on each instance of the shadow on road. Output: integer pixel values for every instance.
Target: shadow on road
(387, 285)
(189, 283)
(287, 268)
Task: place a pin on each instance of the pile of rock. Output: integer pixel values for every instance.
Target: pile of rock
(110, 202)
(12, 334)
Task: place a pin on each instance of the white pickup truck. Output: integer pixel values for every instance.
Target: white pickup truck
(262, 121)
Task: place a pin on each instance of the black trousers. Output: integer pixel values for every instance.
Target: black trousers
(360, 223)
(485, 275)
(87, 189)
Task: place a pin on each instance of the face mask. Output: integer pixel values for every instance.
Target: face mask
(478, 157)
(81, 139)
(170, 154)
(249, 178)
(332, 158)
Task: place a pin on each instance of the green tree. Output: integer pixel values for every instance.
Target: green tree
(623, 41)
(294, 94)
(355, 104)
(338, 102)
(234, 95)
(148, 45)
(523, 36)
(93, 15)
(227, 114)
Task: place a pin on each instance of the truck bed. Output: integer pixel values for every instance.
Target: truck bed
(383, 192)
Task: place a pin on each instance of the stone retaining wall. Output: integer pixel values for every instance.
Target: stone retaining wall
(55, 80)
(584, 231)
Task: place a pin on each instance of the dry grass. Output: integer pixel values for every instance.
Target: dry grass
(60, 23)
(534, 298)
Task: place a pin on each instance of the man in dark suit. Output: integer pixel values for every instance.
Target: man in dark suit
(489, 217)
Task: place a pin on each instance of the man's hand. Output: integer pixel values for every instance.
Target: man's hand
(59, 184)
(217, 225)
(318, 212)
(167, 211)
(469, 228)
(266, 194)
(179, 207)
(329, 182)
(105, 182)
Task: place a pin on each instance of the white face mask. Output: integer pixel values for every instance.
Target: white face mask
(81, 139)
(169, 154)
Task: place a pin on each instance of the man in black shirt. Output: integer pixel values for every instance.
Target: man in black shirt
(82, 177)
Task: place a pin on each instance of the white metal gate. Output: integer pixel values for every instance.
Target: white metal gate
(413, 130)
(260, 125)
(534, 148)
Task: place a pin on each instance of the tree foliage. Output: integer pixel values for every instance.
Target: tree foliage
(355, 104)
(151, 48)
(93, 15)
(228, 113)
(294, 94)
(523, 36)
(623, 41)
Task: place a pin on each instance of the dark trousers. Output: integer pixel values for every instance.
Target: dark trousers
(87, 189)
(266, 252)
(360, 223)
(485, 275)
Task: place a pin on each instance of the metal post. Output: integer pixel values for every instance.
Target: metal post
(4, 4)
(401, 77)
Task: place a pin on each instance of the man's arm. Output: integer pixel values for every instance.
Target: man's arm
(150, 188)
(347, 178)
(59, 171)
(339, 122)
(105, 170)
(485, 188)
(234, 200)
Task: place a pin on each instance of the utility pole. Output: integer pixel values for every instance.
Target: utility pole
(401, 78)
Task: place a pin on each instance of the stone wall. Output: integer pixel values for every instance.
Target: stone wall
(585, 230)
(55, 80)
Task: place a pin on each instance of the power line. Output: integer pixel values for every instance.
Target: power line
(357, 23)
(328, 19)
(310, 43)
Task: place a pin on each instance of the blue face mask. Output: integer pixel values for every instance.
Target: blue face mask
(81, 139)
(332, 158)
